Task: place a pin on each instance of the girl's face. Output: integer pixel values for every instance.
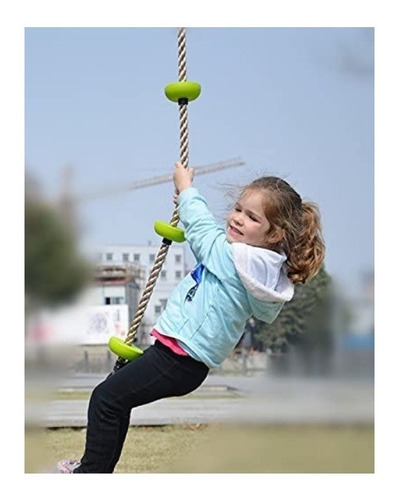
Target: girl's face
(247, 222)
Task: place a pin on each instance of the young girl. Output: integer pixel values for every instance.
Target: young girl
(272, 241)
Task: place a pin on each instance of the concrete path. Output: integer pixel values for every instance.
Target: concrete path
(251, 399)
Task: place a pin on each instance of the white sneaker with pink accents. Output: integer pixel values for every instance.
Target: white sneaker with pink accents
(67, 466)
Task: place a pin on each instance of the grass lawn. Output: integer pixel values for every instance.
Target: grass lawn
(220, 449)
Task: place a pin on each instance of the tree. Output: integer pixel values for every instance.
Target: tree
(305, 321)
(55, 272)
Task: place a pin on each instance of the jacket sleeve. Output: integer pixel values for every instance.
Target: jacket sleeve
(207, 239)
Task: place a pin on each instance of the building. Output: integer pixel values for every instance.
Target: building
(121, 266)
(362, 307)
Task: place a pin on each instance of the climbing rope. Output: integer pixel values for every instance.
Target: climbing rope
(183, 116)
(184, 158)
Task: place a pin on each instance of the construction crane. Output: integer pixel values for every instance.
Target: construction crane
(67, 201)
(160, 179)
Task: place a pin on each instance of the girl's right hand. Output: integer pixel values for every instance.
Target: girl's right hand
(183, 177)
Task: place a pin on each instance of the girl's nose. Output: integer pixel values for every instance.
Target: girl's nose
(238, 218)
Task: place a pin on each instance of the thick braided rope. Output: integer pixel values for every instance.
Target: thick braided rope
(183, 117)
(184, 158)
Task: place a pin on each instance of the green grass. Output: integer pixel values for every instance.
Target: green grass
(220, 449)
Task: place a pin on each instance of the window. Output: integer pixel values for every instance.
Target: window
(114, 300)
(152, 258)
(136, 257)
(125, 257)
(163, 275)
(178, 258)
(157, 309)
(109, 256)
(178, 275)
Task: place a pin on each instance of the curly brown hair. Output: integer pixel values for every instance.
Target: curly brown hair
(298, 223)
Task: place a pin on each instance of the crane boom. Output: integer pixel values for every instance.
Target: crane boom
(160, 179)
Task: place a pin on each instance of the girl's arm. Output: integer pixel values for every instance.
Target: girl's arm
(205, 236)
(207, 239)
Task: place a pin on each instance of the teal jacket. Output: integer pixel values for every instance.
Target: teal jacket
(207, 311)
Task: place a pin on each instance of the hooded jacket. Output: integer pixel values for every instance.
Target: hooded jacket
(207, 311)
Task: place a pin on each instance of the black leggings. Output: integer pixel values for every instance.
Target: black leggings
(159, 373)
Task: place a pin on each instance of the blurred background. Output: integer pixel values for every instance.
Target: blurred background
(100, 143)
(101, 136)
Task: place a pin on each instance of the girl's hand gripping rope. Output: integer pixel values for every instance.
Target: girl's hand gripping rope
(183, 178)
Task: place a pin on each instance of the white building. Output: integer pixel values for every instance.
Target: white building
(142, 257)
(362, 307)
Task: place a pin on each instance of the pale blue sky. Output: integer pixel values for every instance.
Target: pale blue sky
(293, 102)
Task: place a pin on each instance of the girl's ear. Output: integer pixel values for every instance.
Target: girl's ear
(276, 236)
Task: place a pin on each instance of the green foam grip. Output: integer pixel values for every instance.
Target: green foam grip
(182, 90)
(169, 232)
(123, 350)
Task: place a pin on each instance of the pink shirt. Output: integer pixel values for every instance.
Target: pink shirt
(169, 342)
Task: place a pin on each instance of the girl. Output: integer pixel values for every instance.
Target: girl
(272, 241)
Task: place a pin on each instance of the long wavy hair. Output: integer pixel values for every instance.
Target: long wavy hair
(297, 222)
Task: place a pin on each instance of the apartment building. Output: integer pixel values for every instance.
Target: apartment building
(142, 258)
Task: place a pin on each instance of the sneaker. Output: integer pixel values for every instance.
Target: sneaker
(67, 466)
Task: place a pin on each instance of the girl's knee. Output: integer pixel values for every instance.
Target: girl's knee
(99, 396)
(104, 399)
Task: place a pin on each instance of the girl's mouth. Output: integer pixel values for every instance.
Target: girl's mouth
(235, 231)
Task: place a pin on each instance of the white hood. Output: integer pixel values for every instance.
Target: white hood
(262, 273)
